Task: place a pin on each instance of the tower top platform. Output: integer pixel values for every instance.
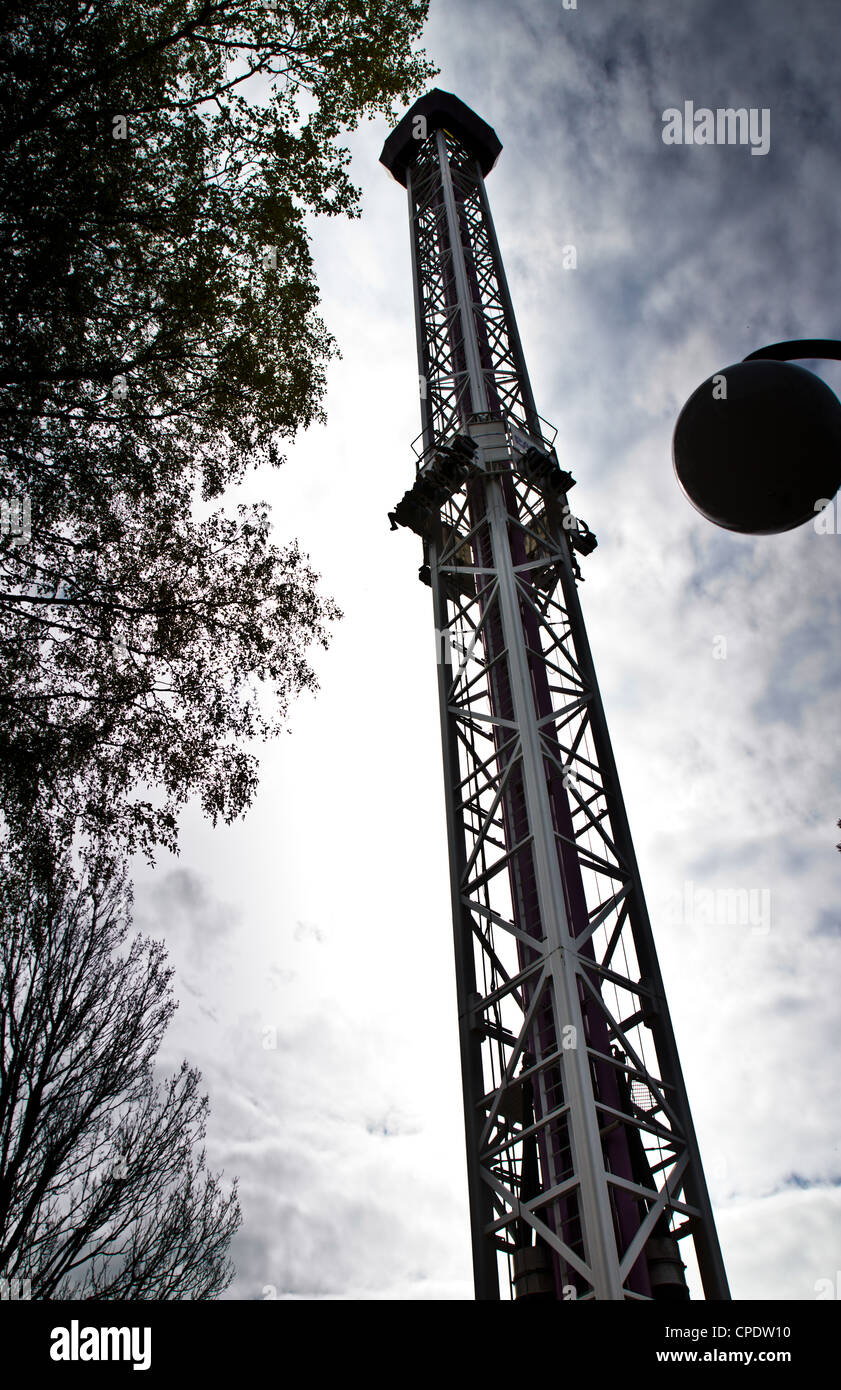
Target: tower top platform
(442, 111)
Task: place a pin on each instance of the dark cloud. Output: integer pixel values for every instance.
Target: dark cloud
(183, 908)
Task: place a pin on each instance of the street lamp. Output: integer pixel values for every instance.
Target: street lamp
(757, 448)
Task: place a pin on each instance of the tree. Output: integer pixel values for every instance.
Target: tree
(150, 669)
(153, 226)
(104, 1190)
(160, 335)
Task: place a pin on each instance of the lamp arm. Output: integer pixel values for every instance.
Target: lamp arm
(829, 348)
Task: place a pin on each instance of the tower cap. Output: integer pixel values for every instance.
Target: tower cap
(442, 111)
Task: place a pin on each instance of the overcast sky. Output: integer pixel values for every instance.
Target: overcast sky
(321, 923)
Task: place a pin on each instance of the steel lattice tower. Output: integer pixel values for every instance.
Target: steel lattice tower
(583, 1166)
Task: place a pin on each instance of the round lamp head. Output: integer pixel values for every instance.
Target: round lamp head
(758, 447)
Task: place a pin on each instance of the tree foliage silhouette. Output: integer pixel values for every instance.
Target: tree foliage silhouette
(159, 336)
(158, 304)
(104, 1188)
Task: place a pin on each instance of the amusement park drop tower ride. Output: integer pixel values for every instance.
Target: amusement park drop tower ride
(584, 1175)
